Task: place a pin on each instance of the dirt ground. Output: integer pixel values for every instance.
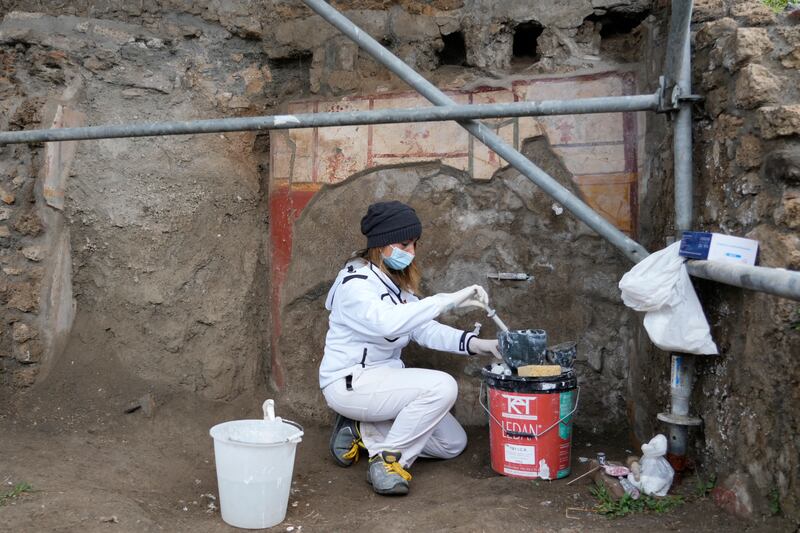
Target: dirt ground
(95, 469)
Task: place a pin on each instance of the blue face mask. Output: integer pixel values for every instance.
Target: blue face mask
(399, 259)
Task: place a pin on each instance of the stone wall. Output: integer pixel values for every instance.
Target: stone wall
(747, 173)
(470, 229)
(155, 227)
(596, 156)
(160, 240)
(35, 254)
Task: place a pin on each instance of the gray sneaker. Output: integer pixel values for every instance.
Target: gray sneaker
(386, 475)
(346, 441)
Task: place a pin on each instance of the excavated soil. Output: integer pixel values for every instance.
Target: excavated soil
(95, 468)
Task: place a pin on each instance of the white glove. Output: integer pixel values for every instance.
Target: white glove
(483, 347)
(472, 296)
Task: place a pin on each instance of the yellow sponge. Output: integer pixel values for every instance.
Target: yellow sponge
(530, 371)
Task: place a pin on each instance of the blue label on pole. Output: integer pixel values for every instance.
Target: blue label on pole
(695, 244)
(676, 370)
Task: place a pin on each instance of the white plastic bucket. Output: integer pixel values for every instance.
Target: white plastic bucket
(254, 460)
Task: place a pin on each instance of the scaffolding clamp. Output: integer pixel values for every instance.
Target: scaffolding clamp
(670, 97)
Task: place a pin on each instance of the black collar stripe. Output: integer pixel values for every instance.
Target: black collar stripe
(396, 290)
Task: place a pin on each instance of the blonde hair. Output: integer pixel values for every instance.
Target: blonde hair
(407, 279)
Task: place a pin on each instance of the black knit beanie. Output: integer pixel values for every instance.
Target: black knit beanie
(390, 222)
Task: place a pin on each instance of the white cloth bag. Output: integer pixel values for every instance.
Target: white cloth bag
(659, 285)
(656, 472)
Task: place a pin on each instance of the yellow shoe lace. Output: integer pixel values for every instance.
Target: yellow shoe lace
(353, 454)
(397, 469)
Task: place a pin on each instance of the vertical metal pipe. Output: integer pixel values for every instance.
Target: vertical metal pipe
(681, 383)
(682, 145)
(677, 445)
(682, 376)
(633, 250)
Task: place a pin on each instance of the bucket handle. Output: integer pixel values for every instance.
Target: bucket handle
(269, 409)
(293, 439)
(522, 433)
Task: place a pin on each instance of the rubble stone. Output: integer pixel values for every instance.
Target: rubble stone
(448, 24)
(727, 127)
(716, 101)
(29, 224)
(6, 196)
(704, 10)
(4, 214)
(22, 332)
(25, 376)
(783, 165)
(710, 34)
(790, 59)
(755, 85)
(778, 121)
(238, 102)
(749, 184)
(748, 44)
(28, 352)
(595, 360)
(4, 231)
(23, 296)
(777, 247)
(789, 212)
(341, 81)
(491, 48)
(749, 153)
(734, 495)
(714, 79)
(236, 17)
(412, 27)
(33, 253)
(791, 34)
(97, 64)
(752, 13)
(254, 79)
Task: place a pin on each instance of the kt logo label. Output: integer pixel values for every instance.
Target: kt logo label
(520, 407)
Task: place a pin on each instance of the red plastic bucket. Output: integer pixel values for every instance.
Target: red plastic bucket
(530, 423)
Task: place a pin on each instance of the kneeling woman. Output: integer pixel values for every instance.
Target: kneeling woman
(397, 414)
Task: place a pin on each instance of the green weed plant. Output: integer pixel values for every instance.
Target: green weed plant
(775, 502)
(775, 5)
(627, 505)
(18, 489)
(703, 487)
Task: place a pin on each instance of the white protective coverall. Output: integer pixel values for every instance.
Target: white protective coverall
(400, 409)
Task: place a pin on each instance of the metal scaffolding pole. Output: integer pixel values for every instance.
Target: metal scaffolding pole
(776, 281)
(682, 143)
(679, 70)
(779, 282)
(773, 281)
(608, 104)
(630, 248)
